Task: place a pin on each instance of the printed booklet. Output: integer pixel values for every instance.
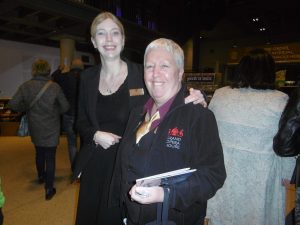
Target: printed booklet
(167, 178)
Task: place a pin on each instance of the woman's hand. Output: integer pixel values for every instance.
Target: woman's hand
(196, 97)
(106, 139)
(147, 195)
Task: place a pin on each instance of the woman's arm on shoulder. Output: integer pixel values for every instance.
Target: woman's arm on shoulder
(197, 97)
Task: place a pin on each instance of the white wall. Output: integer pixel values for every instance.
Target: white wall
(15, 63)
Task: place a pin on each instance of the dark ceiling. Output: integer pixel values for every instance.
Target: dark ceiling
(45, 22)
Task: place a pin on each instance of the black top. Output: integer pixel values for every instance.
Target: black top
(113, 117)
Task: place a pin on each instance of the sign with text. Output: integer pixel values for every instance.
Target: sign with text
(282, 53)
(207, 78)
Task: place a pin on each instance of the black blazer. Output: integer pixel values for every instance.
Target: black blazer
(87, 123)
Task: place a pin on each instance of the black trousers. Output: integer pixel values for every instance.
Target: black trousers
(45, 164)
(1, 216)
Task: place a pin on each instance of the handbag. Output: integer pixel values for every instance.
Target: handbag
(23, 129)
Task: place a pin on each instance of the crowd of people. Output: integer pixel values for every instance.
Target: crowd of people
(139, 120)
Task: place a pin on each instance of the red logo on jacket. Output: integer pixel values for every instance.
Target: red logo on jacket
(175, 132)
(174, 138)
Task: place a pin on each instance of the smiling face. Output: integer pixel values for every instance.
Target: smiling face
(162, 75)
(108, 39)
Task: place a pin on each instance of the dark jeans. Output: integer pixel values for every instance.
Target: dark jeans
(1, 216)
(45, 164)
(68, 128)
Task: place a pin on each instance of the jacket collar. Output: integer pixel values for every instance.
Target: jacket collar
(40, 78)
(179, 98)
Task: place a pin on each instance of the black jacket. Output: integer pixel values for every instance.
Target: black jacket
(87, 123)
(69, 82)
(198, 146)
(286, 143)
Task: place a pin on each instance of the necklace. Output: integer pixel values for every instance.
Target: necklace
(109, 86)
(110, 89)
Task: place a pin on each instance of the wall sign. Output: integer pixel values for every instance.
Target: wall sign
(282, 53)
(205, 78)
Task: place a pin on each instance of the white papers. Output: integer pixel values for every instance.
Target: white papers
(168, 177)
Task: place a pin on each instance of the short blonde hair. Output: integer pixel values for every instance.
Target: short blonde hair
(103, 16)
(171, 47)
(41, 67)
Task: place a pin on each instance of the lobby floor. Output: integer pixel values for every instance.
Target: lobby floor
(25, 199)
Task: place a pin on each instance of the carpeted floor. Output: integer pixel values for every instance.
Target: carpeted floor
(25, 199)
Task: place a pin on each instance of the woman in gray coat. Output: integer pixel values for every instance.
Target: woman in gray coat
(44, 120)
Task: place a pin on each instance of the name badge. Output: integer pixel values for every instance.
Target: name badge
(136, 92)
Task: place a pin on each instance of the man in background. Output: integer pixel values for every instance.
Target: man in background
(69, 82)
(57, 72)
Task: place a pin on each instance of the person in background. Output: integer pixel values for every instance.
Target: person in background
(247, 114)
(183, 135)
(58, 72)
(43, 119)
(107, 93)
(69, 82)
(286, 143)
(2, 200)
